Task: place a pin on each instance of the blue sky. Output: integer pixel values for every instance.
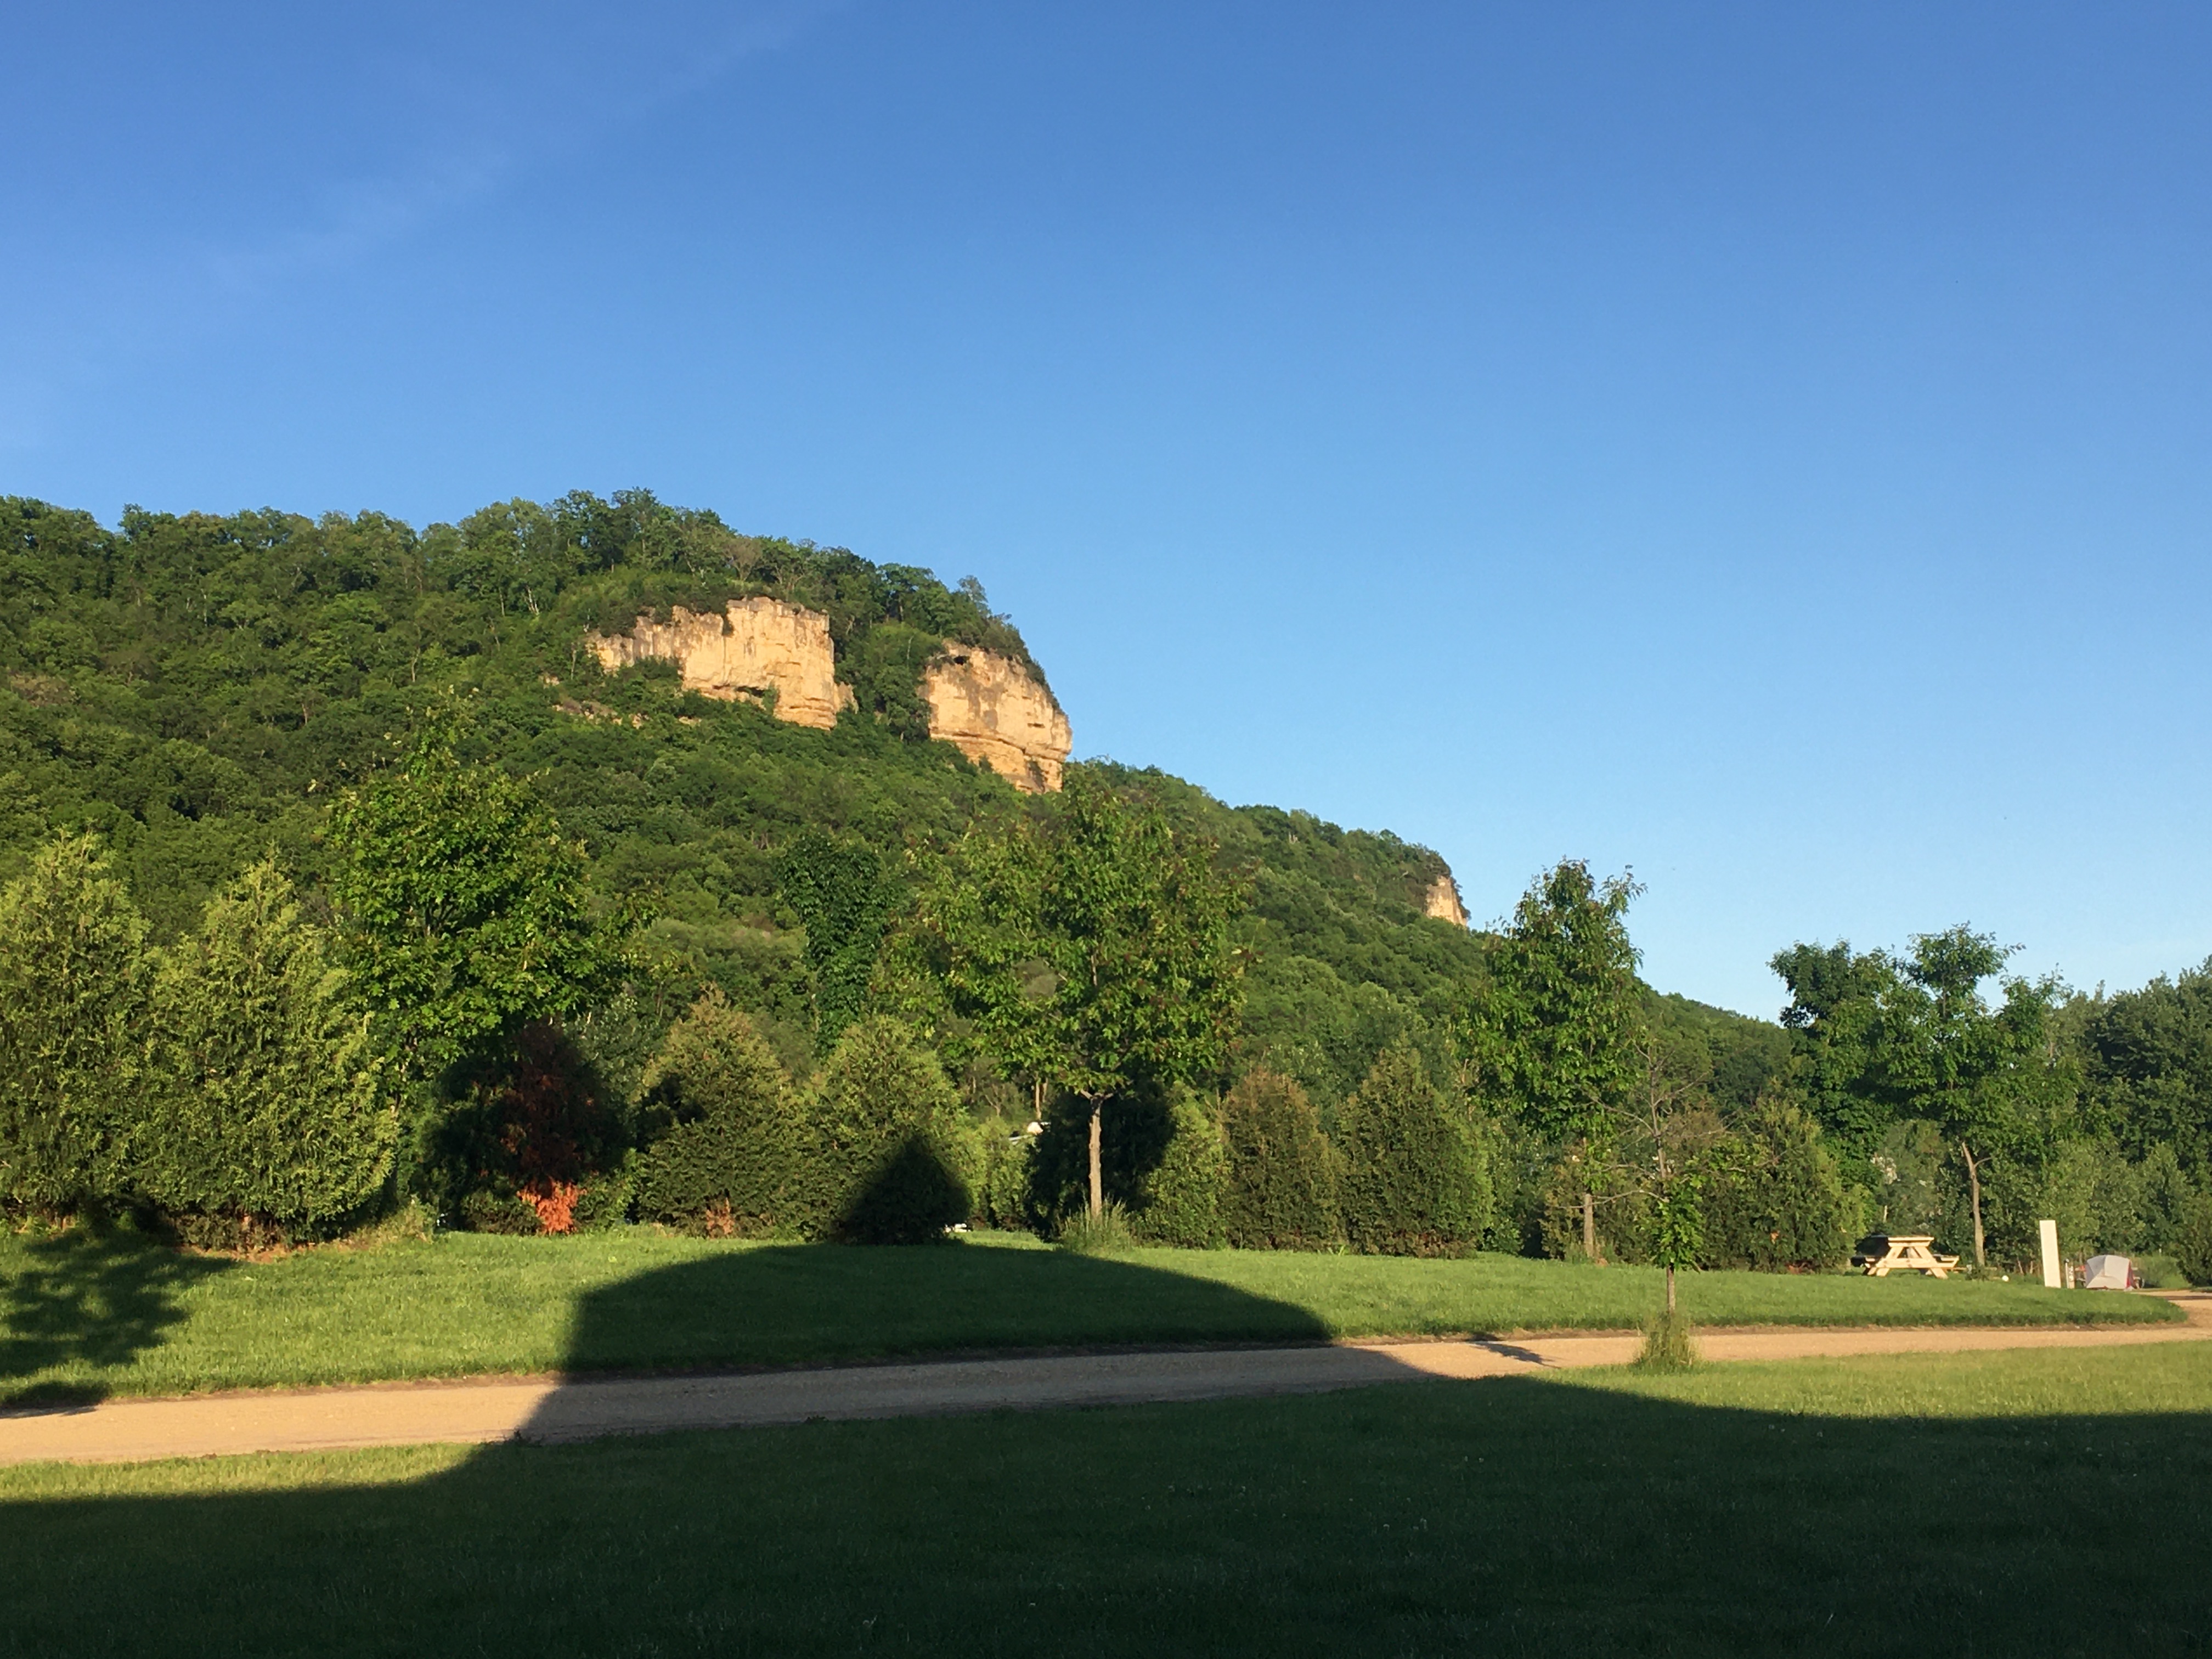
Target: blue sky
(1763, 446)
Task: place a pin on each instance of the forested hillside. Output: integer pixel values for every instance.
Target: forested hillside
(268, 768)
(200, 688)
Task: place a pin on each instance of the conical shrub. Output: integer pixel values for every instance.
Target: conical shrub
(268, 1104)
(895, 1159)
(1282, 1186)
(74, 983)
(727, 1138)
(1413, 1180)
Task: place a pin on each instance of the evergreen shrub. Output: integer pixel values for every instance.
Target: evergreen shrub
(726, 1136)
(1179, 1200)
(75, 980)
(894, 1157)
(1775, 1197)
(267, 1101)
(1413, 1180)
(1282, 1187)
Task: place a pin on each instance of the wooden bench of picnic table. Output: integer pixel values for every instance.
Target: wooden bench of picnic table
(1903, 1252)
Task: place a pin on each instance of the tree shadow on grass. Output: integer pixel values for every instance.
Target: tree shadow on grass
(86, 1298)
(1431, 1518)
(824, 1304)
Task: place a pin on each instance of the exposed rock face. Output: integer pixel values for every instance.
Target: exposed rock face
(995, 711)
(990, 707)
(1443, 900)
(759, 644)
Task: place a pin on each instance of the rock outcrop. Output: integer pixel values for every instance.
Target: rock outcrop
(997, 712)
(758, 646)
(992, 707)
(1443, 900)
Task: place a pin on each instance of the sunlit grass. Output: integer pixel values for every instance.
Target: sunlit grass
(89, 1317)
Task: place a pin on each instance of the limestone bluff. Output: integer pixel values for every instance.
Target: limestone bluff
(987, 705)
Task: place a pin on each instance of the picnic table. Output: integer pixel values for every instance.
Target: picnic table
(1884, 1253)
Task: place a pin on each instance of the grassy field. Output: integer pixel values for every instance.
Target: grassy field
(87, 1318)
(2020, 1503)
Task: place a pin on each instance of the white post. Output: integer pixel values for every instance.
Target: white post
(2050, 1280)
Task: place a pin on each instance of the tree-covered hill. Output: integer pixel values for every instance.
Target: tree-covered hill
(199, 687)
(266, 718)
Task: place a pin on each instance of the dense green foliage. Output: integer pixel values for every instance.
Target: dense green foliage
(464, 906)
(74, 984)
(264, 1099)
(1971, 1118)
(1179, 1198)
(225, 1079)
(1090, 950)
(1282, 1187)
(726, 1138)
(1775, 1198)
(895, 1159)
(1557, 1031)
(1413, 1180)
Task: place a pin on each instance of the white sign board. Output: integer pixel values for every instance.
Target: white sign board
(2049, 1255)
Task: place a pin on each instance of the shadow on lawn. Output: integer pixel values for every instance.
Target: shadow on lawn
(822, 1304)
(86, 1298)
(1431, 1518)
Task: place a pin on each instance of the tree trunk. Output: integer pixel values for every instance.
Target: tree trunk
(1098, 1180)
(1670, 1290)
(1974, 1192)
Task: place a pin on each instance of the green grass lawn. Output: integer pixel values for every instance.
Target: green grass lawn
(86, 1317)
(2020, 1503)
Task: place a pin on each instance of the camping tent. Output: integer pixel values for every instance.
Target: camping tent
(2106, 1273)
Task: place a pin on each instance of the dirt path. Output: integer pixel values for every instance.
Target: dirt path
(555, 1409)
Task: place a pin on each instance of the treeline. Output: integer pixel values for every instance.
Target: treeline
(1040, 1026)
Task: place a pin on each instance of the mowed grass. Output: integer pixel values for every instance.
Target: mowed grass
(88, 1317)
(2024, 1503)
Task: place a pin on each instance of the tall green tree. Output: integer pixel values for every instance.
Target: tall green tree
(464, 906)
(1850, 1021)
(267, 1101)
(1993, 1079)
(1555, 1034)
(2149, 1056)
(74, 983)
(1090, 948)
(1883, 1040)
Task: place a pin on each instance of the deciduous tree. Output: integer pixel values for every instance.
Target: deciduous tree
(1090, 948)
